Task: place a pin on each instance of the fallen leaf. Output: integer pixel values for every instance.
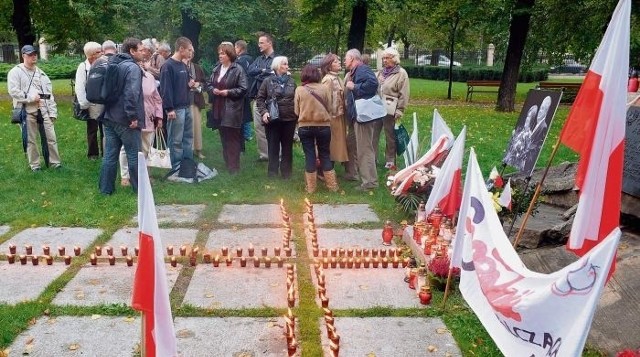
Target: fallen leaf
(80, 295)
(432, 348)
(5, 353)
(185, 333)
(46, 312)
(370, 193)
(129, 319)
(74, 346)
(371, 354)
(448, 354)
(29, 340)
(271, 324)
(364, 287)
(274, 284)
(52, 321)
(94, 281)
(208, 295)
(95, 316)
(442, 330)
(32, 321)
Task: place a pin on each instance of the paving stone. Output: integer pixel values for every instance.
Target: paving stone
(367, 288)
(79, 336)
(267, 214)
(177, 213)
(54, 237)
(4, 229)
(176, 237)
(241, 238)
(237, 288)
(391, 336)
(26, 282)
(105, 284)
(344, 214)
(351, 238)
(230, 336)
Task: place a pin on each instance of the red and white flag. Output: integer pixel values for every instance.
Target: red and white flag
(526, 313)
(505, 196)
(150, 290)
(595, 128)
(439, 128)
(447, 188)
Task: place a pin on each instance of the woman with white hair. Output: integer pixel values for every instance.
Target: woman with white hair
(279, 131)
(394, 90)
(93, 51)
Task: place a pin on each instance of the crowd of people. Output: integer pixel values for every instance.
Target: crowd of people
(161, 91)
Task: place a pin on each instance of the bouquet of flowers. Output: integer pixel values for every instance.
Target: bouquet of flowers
(509, 203)
(438, 272)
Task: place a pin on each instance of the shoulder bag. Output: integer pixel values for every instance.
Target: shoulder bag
(18, 115)
(79, 113)
(159, 152)
(370, 109)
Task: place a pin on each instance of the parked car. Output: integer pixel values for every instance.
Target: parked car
(569, 65)
(316, 60)
(443, 61)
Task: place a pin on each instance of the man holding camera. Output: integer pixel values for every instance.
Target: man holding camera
(31, 88)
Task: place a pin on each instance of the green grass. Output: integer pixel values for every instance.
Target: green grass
(70, 198)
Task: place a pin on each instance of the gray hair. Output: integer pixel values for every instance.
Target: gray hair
(91, 48)
(354, 53)
(277, 62)
(163, 46)
(393, 53)
(148, 43)
(109, 45)
(241, 44)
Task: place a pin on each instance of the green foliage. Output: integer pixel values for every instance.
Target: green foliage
(463, 74)
(57, 67)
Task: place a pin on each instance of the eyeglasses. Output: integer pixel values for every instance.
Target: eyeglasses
(387, 57)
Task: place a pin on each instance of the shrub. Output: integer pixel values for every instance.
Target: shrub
(56, 67)
(463, 74)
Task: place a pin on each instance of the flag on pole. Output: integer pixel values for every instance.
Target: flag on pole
(150, 291)
(439, 128)
(411, 153)
(595, 128)
(505, 196)
(495, 177)
(526, 313)
(447, 188)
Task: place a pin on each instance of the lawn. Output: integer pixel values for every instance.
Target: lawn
(70, 198)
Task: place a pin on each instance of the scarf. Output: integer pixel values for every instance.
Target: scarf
(387, 71)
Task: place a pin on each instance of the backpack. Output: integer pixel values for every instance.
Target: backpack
(102, 84)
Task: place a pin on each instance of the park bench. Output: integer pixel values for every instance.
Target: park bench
(570, 89)
(484, 84)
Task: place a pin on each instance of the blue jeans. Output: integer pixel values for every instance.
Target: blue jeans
(116, 135)
(180, 137)
(312, 138)
(247, 131)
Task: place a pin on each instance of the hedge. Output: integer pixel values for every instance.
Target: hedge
(58, 67)
(463, 74)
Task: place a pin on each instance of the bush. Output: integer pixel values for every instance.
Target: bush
(463, 74)
(57, 67)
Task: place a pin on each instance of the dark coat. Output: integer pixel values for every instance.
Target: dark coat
(130, 103)
(232, 106)
(365, 86)
(244, 60)
(285, 96)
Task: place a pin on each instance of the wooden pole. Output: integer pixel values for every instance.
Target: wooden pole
(527, 181)
(446, 289)
(536, 194)
(143, 339)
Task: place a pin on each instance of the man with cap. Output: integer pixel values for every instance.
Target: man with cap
(29, 86)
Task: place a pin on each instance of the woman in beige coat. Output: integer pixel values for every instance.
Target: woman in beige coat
(340, 150)
(394, 90)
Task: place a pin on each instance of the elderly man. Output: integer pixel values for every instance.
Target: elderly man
(31, 88)
(159, 58)
(93, 51)
(362, 83)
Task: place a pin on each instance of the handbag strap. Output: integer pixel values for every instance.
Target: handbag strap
(161, 143)
(315, 95)
(30, 81)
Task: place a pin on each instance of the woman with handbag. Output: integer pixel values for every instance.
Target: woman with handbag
(275, 105)
(394, 91)
(314, 128)
(228, 85)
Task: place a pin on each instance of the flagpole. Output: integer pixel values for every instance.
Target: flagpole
(446, 289)
(536, 194)
(143, 339)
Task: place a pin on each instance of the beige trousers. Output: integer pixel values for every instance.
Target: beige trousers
(32, 143)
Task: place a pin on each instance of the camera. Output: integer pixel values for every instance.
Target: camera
(45, 96)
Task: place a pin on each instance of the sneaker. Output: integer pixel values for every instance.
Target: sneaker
(389, 165)
(125, 182)
(35, 169)
(200, 156)
(56, 166)
(93, 158)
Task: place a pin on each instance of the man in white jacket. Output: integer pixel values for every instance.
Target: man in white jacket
(31, 87)
(93, 51)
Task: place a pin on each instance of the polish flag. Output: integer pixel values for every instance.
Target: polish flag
(439, 128)
(150, 291)
(496, 178)
(595, 128)
(505, 197)
(447, 189)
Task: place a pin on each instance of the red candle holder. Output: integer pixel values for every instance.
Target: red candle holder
(129, 260)
(28, 249)
(366, 262)
(35, 260)
(365, 252)
(12, 248)
(256, 262)
(49, 259)
(112, 260)
(251, 251)
(385, 262)
(46, 250)
(228, 261)
(334, 252)
(109, 250)
(238, 252)
(343, 263)
(93, 259)
(173, 261)
(136, 251)
(350, 252)
(324, 252)
(206, 258)
(193, 260)
(395, 262)
(276, 251)
(183, 250)
(267, 262)
(264, 252)
(98, 250)
(324, 301)
(375, 262)
(341, 252)
(216, 261)
(243, 262)
(350, 263)
(383, 253)
(23, 259)
(280, 262)
(170, 250)
(374, 253)
(225, 251)
(287, 251)
(405, 262)
(358, 252)
(358, 263)
(11, 258)
(315, 252)
(67, 260)
(124, 250)
(333, 262)
(325, 263)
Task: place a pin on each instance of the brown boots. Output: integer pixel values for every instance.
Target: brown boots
(330, 179)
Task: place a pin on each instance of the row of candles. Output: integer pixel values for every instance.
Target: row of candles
(332, 334)
(413, 282)
(433, 232)
(292, 344)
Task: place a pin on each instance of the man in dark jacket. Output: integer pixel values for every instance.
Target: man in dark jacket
(362, 83)
(258, 71)
(123, 119)
(244, 60)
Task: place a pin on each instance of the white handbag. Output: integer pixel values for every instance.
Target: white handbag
(159, 152)
(370, 109)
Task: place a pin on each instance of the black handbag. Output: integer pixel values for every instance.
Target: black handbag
(212, 122)
(18, 114)
(79, 113)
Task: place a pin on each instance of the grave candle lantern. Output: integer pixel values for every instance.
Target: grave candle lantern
(276, 251)
(61, 251)
(136, 251)
(251, 250)
(265, 251)
(280, 262)
(387, 233)
(129, 261)
(183, 250)
(256, 262)
(109, 250)
(333, 262)
(98, 250)
(12, 248)
(216, 261)
(23, 259)
(193, 260)
(49, 259)
(11, 258)
(28, 249)
(238, 252)
(170, 250)
(67, 260)
(243, 262)
(46, 250)
(358, 263)
(174, 261)
(35, 260)
(225, 251)
(112, 260)
(267, 262)
(287, 251)
(124, 250)
(206, 258)
(229, 261)
(93, 259)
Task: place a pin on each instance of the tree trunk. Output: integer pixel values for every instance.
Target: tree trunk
(452, 42)
(405, 41)
(518, 30)
(391, 36)
(21, 22)
(191, 29)
(358, 25)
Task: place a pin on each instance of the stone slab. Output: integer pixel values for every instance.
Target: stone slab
(344, 214)
(170, 236)
(79, 336)
(230, 336)
(243, 237)
(26, 282)
(105, 284)
(367, 288)
(391, 336)
(267, 214)
(237, 288)
(177, 214)
(52, 236)
(4, 229)
(537, 226)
